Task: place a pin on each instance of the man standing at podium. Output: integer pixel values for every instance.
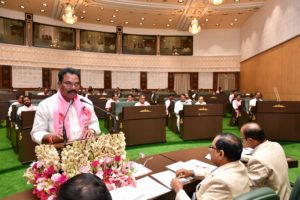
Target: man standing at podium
(65, 108)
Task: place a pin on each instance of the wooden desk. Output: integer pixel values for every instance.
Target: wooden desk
(280, 120)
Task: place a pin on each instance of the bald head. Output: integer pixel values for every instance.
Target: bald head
(254, 131)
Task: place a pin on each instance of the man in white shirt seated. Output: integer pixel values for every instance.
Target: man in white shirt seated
(19, 102)
(252, 102)
(142, 101)
(267, 166)
(227, 181)
(26, 107)
(45, 92)
(65, 107)
(200, 101)
(114, 98)
(179, 106)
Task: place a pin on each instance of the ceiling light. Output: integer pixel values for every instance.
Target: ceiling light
(231, 24)
(69, 16)
(206, 19)
(168, 25)
(236, 0)
(101, 8)
(180, 1)
(81, 17)
(83, 11)
(142, 18)
(126, 22)
(235, 19)
(154, 24)
(42, 10)
(141, 23)
(44, 4)
(21, 6)
(170, 20)
(98, 19)
(216, 2)
(112, 21)
(2, 2)
(217, 24)
(194, 27)
(114, 16)
(117, 10)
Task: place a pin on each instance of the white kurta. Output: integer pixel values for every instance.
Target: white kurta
(145, 104)
(10, 107)
(25, 108)
(43, 121)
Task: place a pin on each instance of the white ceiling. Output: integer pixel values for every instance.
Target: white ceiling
(158, 14)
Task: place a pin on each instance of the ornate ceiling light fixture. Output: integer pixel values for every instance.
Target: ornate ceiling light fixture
(216, 2)
(194, 27)
(69, 16)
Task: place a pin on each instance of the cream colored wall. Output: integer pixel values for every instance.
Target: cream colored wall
(277, 67)
(276, 22)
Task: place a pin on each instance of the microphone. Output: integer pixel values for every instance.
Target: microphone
(115, 128)
(63, 125)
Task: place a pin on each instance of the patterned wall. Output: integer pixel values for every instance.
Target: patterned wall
(205, 80)
(94, 78)
(157, 80)
(125, 80)
(26, 77)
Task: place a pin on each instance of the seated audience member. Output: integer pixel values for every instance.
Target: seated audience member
(200, 101)
(232, 95)
(84, 187)
(188, 99)
(267, 166)
(19, 102)
(118, 92)
(142, 101)
(168, 103)
(65, 107)
(219, 90)
(130, 98)
(114, 98)
(227, 181)
(45, 92)
(179, 106)
(236, 106)
(252, 102)
(27, 106)
(90, 91)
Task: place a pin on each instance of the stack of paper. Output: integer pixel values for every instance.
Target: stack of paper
(140, 170)
(128, 193)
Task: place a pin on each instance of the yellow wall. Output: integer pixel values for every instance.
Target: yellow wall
(277, 67)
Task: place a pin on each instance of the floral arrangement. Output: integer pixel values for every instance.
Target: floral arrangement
(104, 156)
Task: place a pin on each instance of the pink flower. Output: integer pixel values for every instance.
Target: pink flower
(100, 174)
(117, 158)
(48, 172)
(95, 163)
(63, 178)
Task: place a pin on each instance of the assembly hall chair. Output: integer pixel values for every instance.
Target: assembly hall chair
(263, 193)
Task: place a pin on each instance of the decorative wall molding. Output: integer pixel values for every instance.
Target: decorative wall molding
(50, 58)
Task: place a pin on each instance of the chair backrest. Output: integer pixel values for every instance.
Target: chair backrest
(295, 195)
(263, 193)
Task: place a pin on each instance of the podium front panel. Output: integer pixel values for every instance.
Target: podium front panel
(202, 110)
(144, 112)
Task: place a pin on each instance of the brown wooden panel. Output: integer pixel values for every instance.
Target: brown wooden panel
(107, 79)
(277, 67)
(171, 81)
(5, 77)
(194, 80)
(46, 77)
(143, 80)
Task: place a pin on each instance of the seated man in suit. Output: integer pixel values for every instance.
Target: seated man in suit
(27, 106)
(267, 167)
(114, 98)
(142, 101)
(227, 181)
(200, 101)
(179, 106)
(84, 187)
(19, 102)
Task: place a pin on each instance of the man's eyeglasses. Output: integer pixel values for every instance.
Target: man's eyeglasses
(70, 84)
(212, 147)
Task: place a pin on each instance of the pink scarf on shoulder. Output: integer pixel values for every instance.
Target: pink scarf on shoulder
(83, 113)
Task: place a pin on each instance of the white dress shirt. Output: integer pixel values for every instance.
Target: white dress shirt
(43, 121)
(10, 107)
(25, 108)
(139, 104)
(179, 105)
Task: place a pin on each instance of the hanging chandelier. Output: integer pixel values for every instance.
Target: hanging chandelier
(194, 27)
(216, 2)
(69, 16)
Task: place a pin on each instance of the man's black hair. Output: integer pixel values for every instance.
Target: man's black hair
(84, 187)
(64, 71)
(231, 145)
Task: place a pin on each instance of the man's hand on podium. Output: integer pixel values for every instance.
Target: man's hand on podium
(52, 138)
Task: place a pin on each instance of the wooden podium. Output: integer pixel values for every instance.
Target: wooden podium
(144, 124)
(25, 144)
(201, 121)
(280, 120)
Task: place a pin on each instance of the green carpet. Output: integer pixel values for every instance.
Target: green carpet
(11, 170)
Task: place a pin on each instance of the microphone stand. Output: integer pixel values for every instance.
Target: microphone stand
(115, 128)
(63, 125)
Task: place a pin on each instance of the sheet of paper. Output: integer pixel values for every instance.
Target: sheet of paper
(166, 177)
(247, 151)
(150, 187)
(140, 170)
(175, 166)
(198, 165)
(128, 193)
